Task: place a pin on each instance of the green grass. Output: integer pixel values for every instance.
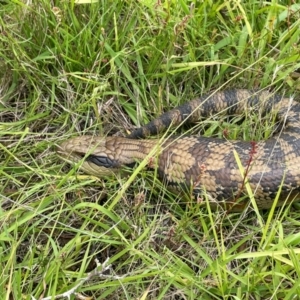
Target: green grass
(70, 69)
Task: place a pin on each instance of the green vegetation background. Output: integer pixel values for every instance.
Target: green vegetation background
(97, 68)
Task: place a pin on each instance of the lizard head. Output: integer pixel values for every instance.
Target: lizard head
(91, 154)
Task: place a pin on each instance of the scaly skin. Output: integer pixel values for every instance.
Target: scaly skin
(207, 165)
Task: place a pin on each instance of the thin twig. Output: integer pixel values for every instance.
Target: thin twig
(95, 273)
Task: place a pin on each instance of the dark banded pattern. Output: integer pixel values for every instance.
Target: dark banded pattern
(207, 166)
